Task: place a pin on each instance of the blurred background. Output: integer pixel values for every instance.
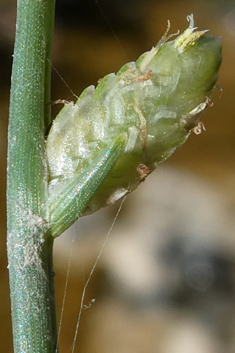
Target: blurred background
(165, 282)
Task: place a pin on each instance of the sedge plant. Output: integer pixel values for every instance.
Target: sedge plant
(98, 149)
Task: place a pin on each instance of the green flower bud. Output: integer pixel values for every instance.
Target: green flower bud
(155, 102)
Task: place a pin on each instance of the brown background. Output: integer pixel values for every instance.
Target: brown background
(90, 43)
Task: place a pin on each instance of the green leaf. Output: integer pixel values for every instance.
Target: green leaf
(71, 199)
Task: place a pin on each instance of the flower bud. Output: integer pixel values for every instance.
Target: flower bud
(155, 102)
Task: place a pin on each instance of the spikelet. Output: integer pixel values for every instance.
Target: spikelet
(154, 103)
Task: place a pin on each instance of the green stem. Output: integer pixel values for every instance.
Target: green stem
(29, 253)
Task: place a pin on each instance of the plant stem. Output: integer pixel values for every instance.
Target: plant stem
(29, 252)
